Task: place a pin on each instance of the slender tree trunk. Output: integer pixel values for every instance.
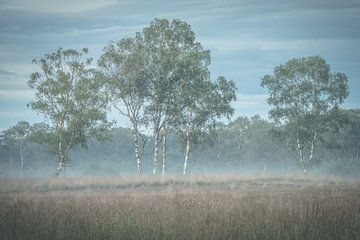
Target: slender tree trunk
(300, 149)
(137, 152)
(61, 163)
(187, 151)
(21, 161)
(358, 153)
(164, 148)
(156, 150)
(60, 166)
(311, 156)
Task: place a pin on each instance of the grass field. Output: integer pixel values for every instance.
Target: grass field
(207, 207)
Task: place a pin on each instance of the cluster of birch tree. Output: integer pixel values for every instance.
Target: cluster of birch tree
(158, 79)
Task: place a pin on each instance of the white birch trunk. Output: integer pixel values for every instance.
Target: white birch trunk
(187, 151)
(311, 156)
(156, 150)
(137, 154)
(61, 163)
(300, 149)
(301, 153)
(60, 166)
(164, 148)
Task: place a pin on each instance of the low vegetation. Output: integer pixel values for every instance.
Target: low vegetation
(197, 207)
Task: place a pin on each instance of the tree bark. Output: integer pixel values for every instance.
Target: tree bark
(60, 166)
(187, 151)
(311, 156)
(164, 148)
(61, 163)
(156, 150)
(300, 149)
(137, 153)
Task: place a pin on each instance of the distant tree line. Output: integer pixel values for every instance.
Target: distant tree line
(246, 144)
(159, 79)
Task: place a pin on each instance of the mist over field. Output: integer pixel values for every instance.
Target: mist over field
(250, 153)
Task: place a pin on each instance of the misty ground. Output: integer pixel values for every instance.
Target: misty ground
(190, 207)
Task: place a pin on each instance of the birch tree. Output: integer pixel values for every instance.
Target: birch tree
(304, 94)
(204, 102)
(125, 67)
(167, 43)
(68, 93)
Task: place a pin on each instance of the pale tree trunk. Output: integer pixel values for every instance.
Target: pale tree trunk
(300, 149)
(187, 151)
(61, 163)
(137, 152)
(311, 156)
(60, 166)
(164, 149)
(358, 153)
(156, 150)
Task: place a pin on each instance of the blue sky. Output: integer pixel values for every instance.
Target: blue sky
(247, 39)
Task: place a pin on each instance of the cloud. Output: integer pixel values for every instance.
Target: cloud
(251, 104)
(250, 98)
(55, 6)
(13, 44)
(7, 73)
(228, 45)
(12, 114)
(16, 94)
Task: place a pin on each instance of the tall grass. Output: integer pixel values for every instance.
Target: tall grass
(213, 207)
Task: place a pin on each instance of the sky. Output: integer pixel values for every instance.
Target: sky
(247, 39)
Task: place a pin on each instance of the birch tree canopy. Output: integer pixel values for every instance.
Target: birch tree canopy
(69, 95)
(304, 94)
(124, 66)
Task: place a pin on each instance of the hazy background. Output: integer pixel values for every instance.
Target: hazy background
(247, 40)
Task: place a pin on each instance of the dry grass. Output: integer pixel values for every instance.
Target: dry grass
(212, 207)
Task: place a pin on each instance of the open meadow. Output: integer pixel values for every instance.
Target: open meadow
(191, 207)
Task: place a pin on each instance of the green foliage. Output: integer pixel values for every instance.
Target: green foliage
(17, 135)
(303, 87)
(175, 58)
(305, 97)
(69, 94)
(204, 102)
(124, 66)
